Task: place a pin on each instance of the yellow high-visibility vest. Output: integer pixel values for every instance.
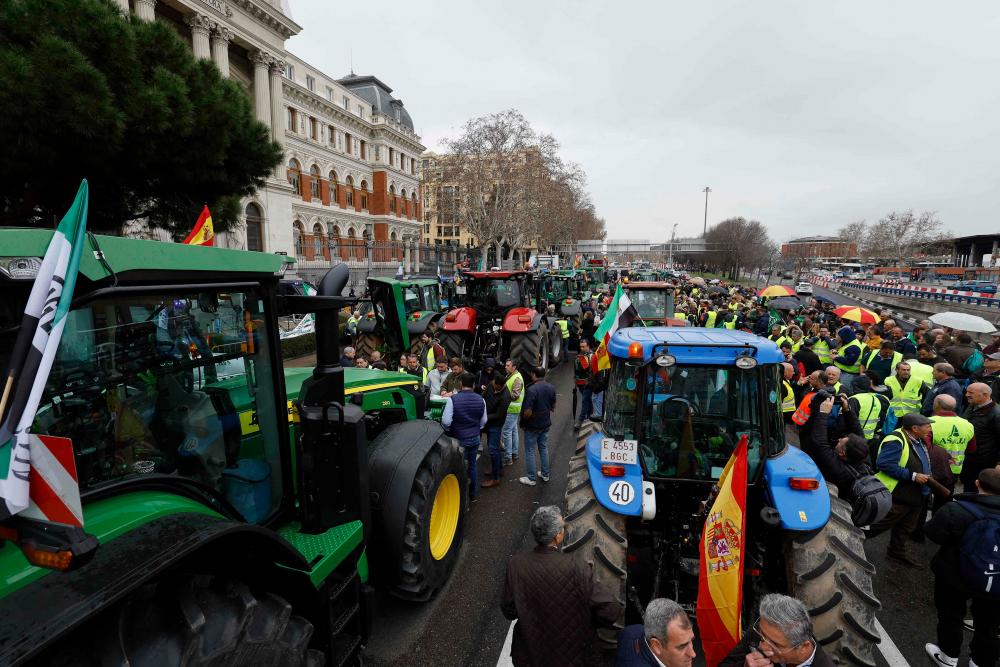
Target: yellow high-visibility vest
(854, 368)
(869, 411)
(896, 436)
(788, 399)
(922, 372)
(515, 405)
(822, 350)
(904, 399)
(953, 435)
(563, 327)
(710, 322)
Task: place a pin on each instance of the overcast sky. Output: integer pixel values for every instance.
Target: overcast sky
(804, 115)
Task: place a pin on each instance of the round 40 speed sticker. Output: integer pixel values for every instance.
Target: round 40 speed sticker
(621, 493)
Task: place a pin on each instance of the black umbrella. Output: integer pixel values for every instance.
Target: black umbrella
(784, 303)
(823, 299)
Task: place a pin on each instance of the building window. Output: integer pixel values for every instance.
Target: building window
(392, 198)
(311, 83)
(334, 194)
(361, 110)
(364, 195)
(347, 143)
(290, 71)
(314, 181)
(313, 129)
(392, 156)
(361, 151)
(347, 102)
(293, 173)
(255, 223)
(290, 118)
(334, 241)
(350, 191)
(329, 93)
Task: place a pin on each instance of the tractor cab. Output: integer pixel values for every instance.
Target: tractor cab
(396, 315)
(654, 304)
(679, 403)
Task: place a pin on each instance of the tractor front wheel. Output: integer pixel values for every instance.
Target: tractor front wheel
(596, 535)
(531, 348)
(366, 343)
(454, 344)
(435, 522)
(831, 576)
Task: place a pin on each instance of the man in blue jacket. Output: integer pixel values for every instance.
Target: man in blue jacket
(665, 639)
(464, 417)
(944, 383)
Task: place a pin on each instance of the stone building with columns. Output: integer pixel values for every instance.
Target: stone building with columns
(348, 187)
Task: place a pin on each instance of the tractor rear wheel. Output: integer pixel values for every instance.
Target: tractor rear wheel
(596, 535)
(530, 349)
(831, 576)
(454, 344)
(198, 620)
(366, 343)
(435, 522)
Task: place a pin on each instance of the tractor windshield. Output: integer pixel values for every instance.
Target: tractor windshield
(650, 304)
(432, 300)
(178, 384)
(411, 298)
(557, 289)
(494, 294)
(688, 419)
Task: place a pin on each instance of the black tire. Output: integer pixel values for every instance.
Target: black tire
(555, 346)
(574, 331)
(201, 621)
(366, 343)
(596, 536)
(830, 574)
(530, 349)
(421, 575)
(454, 344)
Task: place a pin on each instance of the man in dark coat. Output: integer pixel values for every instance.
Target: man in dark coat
(984, 415)
(551, 595)
(497, 401)
(783, 635)
(951, 595)
(842, 460)
(664, 639)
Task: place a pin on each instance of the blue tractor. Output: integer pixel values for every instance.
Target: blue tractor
(678, 402)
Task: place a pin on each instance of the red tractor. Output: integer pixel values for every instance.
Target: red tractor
(499, 321)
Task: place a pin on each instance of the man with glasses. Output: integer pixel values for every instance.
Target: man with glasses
(783, 635)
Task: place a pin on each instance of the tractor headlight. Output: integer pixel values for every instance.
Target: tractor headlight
(666, 360)
(746, 363)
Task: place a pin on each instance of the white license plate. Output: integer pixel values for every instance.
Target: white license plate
(619, 451)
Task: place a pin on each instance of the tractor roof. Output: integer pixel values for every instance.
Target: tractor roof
(406, 281)
(650, 285)
(487, 275)
(695, 345)
(139, 259)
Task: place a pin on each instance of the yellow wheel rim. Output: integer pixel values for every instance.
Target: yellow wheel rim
(444, 516)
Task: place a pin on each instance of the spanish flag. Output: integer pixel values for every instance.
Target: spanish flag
(620, 315)
(203, 233)
(720, 577)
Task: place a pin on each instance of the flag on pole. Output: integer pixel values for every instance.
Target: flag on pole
(720, 576)
(203, 232)
(576, 262)
(482, 259)
(35, 350)
(620, 315)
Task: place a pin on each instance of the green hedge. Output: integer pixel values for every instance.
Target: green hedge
(299, 346)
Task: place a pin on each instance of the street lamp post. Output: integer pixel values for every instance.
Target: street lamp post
(670, 257)
(705, 228)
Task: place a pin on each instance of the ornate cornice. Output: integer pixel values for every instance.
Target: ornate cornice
(269, 16)
(200, 23)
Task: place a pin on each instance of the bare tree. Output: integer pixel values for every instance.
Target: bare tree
(739, 244)
(855, 232)
(901, 235)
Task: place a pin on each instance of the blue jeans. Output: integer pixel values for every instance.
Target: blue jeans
(586, 404)
(471, 450)
(541, 439)
(493, 434)
(510, 436)
(599, 403)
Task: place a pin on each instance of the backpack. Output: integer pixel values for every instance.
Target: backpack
(871, 499)
(979, 553)
(973, 363)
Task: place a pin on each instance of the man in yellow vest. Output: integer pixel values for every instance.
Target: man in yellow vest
(823, 346)
(904, 466)
(870, 407)
(563, 325)
(850, 353)
(952, 434)
(905, 392)
(430, 351)
(509, 434)
(923, 372)
(883, 362)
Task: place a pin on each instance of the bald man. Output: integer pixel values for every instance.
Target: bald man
(984, 415)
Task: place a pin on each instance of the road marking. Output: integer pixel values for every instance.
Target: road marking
(504, 659)
(889, 650)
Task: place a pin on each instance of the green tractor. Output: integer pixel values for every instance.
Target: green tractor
(564, 290)
(235, 512)
(397, 314)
